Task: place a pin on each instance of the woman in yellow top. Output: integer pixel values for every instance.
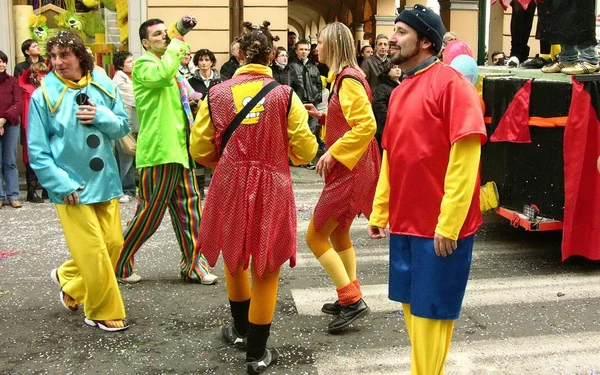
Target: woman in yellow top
(350, 165)
(250, 212)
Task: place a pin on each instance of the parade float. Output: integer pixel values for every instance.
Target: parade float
(544, 142)
(101, 23)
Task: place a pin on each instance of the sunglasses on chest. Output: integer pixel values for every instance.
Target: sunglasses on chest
(82, 98)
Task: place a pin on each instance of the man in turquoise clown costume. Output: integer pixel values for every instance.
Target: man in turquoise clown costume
(166, 169)
(74, 118)
(428, 187)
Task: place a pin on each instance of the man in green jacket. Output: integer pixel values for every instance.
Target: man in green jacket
(166, 170)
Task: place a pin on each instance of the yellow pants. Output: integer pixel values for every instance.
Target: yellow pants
(95, 239)
(430, 340)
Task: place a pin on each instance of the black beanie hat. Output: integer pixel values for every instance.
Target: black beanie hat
(426, 22)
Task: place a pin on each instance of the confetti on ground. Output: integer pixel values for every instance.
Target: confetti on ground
(5, 254)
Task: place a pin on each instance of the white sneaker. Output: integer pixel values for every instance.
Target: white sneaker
(54, 276)
(125, 199)
(209, 279)
(132, 279)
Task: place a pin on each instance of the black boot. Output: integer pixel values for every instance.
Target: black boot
(258, 356)
(200, 181)
(348, 314)
(332, 308)
(236, 334)
(31, 180)
(44, 194)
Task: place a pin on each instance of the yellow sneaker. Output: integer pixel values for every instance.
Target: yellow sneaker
(581, 67)
(557, 67)
(489, 199)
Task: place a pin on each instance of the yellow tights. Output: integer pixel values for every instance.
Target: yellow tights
(262, 294)
(338, 257)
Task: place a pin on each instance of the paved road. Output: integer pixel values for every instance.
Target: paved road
(525, 312)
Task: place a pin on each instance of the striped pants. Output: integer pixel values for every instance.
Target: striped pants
(162, 186)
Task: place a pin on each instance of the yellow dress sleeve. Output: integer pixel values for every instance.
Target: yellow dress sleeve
(459, 185)
(202, 138)
(381, 204)
(302, 145)
(358, 112)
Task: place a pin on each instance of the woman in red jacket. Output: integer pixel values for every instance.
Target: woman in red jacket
(10, 112)
(29, 81)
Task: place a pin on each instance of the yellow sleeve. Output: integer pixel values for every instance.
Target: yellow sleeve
(459, 185)
(381, 204)
(202, 138)
(359, 114)
(302, 146)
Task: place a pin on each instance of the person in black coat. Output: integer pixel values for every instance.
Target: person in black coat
(228, 69)
(206, 76)
(572, 24)
(282, 72)
(388, 80)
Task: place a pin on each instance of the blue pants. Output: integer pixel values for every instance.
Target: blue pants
(433, 285)
(9, 188)
(126, 171)
(571, 54)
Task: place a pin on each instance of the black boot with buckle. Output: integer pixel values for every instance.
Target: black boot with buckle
(32, 181)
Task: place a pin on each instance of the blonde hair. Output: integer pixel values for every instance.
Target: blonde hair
(39, 67)
(338, 47)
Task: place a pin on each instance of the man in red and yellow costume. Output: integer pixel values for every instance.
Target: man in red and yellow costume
(427, 188)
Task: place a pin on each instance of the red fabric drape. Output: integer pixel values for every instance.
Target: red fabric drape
(581, 233)
(514, 125)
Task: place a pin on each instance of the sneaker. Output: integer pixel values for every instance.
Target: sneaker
(309, 166)
(257, 367)
(348, 314)
(209, 279)
(536, 63)
(68, 302)
(332, 308)
(231, 337)
(489, 197)
(54, 276)
(125, 199)
(582, 67)
(108, 325)
(513, 62)
(134, 278)
(556, 67)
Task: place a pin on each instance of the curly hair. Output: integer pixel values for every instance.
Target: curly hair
(119, 59)
(67, 39)
(257, 43)
(204, 52)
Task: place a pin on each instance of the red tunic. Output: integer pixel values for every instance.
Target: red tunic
(347, 193)
(250, 209)
(427, 114)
